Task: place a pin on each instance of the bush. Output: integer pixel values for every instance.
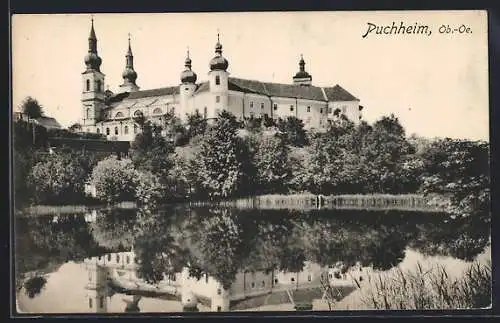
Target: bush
(114, 180)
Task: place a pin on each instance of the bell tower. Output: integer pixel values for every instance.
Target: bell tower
(218, 81)
(129, 75)
(96, 288)
(92, 85)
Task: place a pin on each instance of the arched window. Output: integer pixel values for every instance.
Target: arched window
(125, 130)
(99, 85)
(205, 112)
(88, 85)
(89, 113)
(128, 260)
(101, 302)
(157, 111)
(117, 258)
(217, 80)
(137, 113)
(98, 130)
(90, 302)
(109, 257)
(135, 128)
(107, 131)
(116, 130)
(119, 115)
(308, 109)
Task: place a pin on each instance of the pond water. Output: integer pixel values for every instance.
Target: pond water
(222, 259)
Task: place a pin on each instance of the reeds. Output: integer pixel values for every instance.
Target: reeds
(428, 288)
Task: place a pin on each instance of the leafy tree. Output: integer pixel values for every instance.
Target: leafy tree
(253, 124)
(271, 162)
(459, 170)
(150, 151)
(32, 108)
(114, 180)
(220, 161)
(150, 192)
(174, 129)
(59, 177)
(196, 125)
(292, 129)
(34, 286)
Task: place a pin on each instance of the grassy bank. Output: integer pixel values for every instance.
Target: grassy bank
(428, 288)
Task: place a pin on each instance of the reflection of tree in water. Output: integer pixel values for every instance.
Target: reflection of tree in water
(34, 286)
(113, 229)
(462, 238)
(42, 245)
(156, 247)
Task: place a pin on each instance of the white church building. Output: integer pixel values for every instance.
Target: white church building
(112, 114)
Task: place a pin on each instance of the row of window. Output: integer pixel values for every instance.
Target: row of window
(117, 132)
(292, 107)
(117, 258)
(292, 279)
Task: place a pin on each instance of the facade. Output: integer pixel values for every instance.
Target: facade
(121, 268)
(112, 114)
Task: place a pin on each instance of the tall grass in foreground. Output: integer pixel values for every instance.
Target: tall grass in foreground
(429, 288)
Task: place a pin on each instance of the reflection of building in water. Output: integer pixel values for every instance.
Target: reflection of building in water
(97, 287)
(121, 270)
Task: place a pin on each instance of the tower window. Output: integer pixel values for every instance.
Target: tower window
(309, 278)
(88, 85)
(101, 302)
(107, 131)
(117, 258)
(262, 106)
(292, 279)
(126, 130)
(205, 112)
(253, 285)
(263, 284)
(116, 130)
(89, 113)
(98, 130)
(330, 110)
(217, 80)
(321, 110)
(128, 259)
(291, 108)
(275, 107)
(217, 99)
(308, 109)
(109, 257)
(90, 302)
(219, 291)
(251, 104)
(99, 85)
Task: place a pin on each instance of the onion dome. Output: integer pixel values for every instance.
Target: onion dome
(129, 74)
(218, 62)
(188, 76)
(92, 59)
(302, 72)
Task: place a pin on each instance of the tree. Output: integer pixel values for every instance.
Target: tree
(271, 163)
(32, 108)
(59, 177)
(219, 160)
(114, 180)
(149, 190)
(459, 170)
(292, 129)
(196, 125)
(151, 152)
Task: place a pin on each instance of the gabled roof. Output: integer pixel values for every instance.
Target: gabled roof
(48, 122)
(337, 93)
(154, 92)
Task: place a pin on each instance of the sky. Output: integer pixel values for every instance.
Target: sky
(436, 85)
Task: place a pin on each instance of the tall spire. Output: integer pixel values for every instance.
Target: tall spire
(92, 59)
(129, 75)
(188, 76)
(302, 63)
(218, 62)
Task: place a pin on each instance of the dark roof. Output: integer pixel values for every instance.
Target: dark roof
(154, 92)
(48, 122)
(337, 93)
